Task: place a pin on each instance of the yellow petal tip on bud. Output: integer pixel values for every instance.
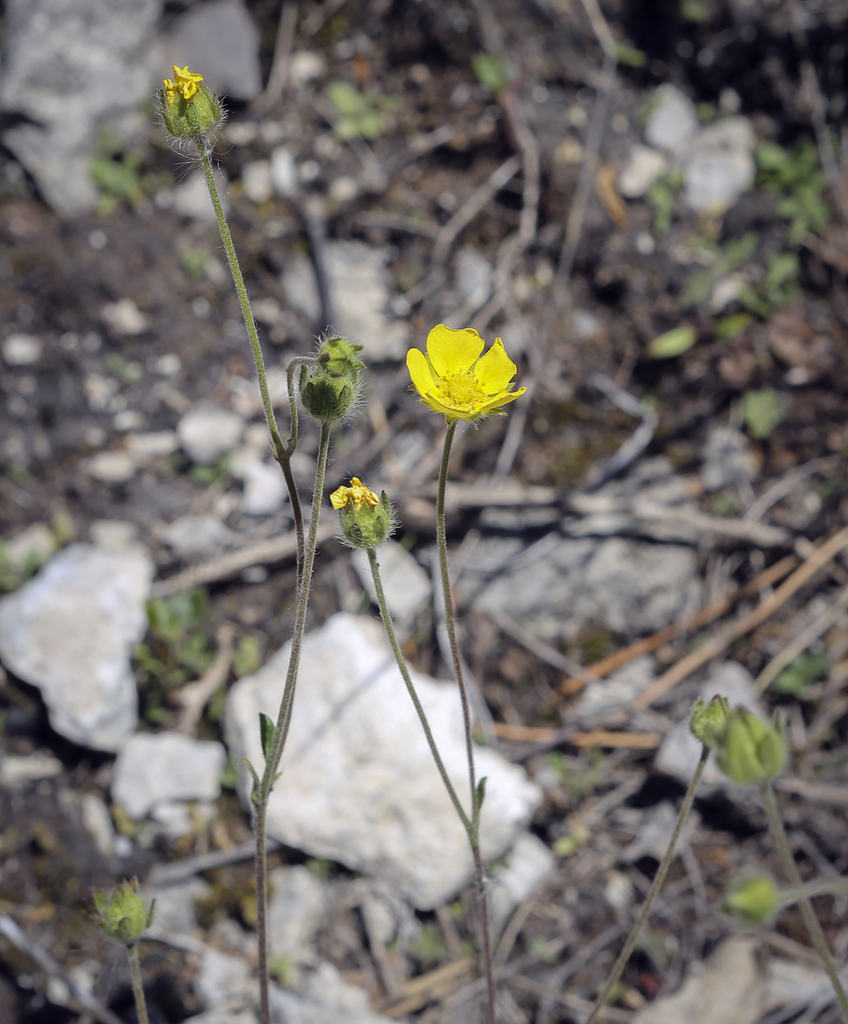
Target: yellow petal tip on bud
(366, 520)
(187, 107)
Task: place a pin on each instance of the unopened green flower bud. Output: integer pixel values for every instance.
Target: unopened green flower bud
(188, 108)
(332, 384)
(124, 915)
(755, 900)
(709, 721)
(751, 750)
(366, 519)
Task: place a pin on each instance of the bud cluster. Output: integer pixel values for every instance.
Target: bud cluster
(332, 383)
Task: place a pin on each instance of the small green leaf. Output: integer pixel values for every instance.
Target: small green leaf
(491, 72)
(481, 792)
(729, 326)
(266, 731)
(631, 56)
(254, 792)
(795, 678)
(763, 410)
(673, 343)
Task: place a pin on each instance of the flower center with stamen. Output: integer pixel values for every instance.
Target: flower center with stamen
(463, 391)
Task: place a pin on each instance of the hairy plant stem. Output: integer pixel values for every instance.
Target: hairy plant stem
(262, 790)
(784, 851)
(137, 983)
(474, 830)
(653, 892)
(282, 453)
(404, 671)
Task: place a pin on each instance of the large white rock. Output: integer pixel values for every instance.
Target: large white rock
(359, 785)
(167, 766)
(70, 632)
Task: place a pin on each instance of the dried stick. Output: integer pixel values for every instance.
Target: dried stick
(717, 645)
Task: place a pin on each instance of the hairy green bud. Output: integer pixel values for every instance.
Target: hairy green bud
(188, 108)
(332, 384)
(755, 899)
(124, 915)
(709, 721)
(366, 519)
(750, 750)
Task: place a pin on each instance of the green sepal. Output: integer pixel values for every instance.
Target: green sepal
(266, 732)
(254, 792)
(481, 792)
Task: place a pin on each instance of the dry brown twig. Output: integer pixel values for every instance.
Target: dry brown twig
(716, 646)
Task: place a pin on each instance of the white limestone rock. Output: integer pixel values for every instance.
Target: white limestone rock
(70, 632)
(209, 431)
(359, 785)
(719, 165)
(160, 768)
(673, 121)
(362, 289)
(643, 167)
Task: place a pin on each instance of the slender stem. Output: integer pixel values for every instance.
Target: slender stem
(137, 983)
(275, 751)
(284, 458)
(241, 289)
(450, 621)
(653, 892)
(474, 831)
(825, 887)
(261, 870)
(404, 671)
(791, 868)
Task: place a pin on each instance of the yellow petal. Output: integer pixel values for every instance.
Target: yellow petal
(419, 371)
(340, 498)
(495, 369)
(453, 351)
(499, 400)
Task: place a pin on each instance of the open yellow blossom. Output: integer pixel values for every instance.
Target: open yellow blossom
(455, 379)
(357, 496)
(187, 83)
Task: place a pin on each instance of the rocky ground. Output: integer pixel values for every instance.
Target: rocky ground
(647, 203)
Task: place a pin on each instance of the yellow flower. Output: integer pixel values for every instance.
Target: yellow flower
(456, 380)
(357, 496)
(187, 83)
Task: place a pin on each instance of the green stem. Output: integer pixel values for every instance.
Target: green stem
(282, 453)
(474, 831)
(281, 729)
(404, 671)
(241, 289)
(791, 868)
(137, 984)
(826, 887)
(653, 892)
(261, 870)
